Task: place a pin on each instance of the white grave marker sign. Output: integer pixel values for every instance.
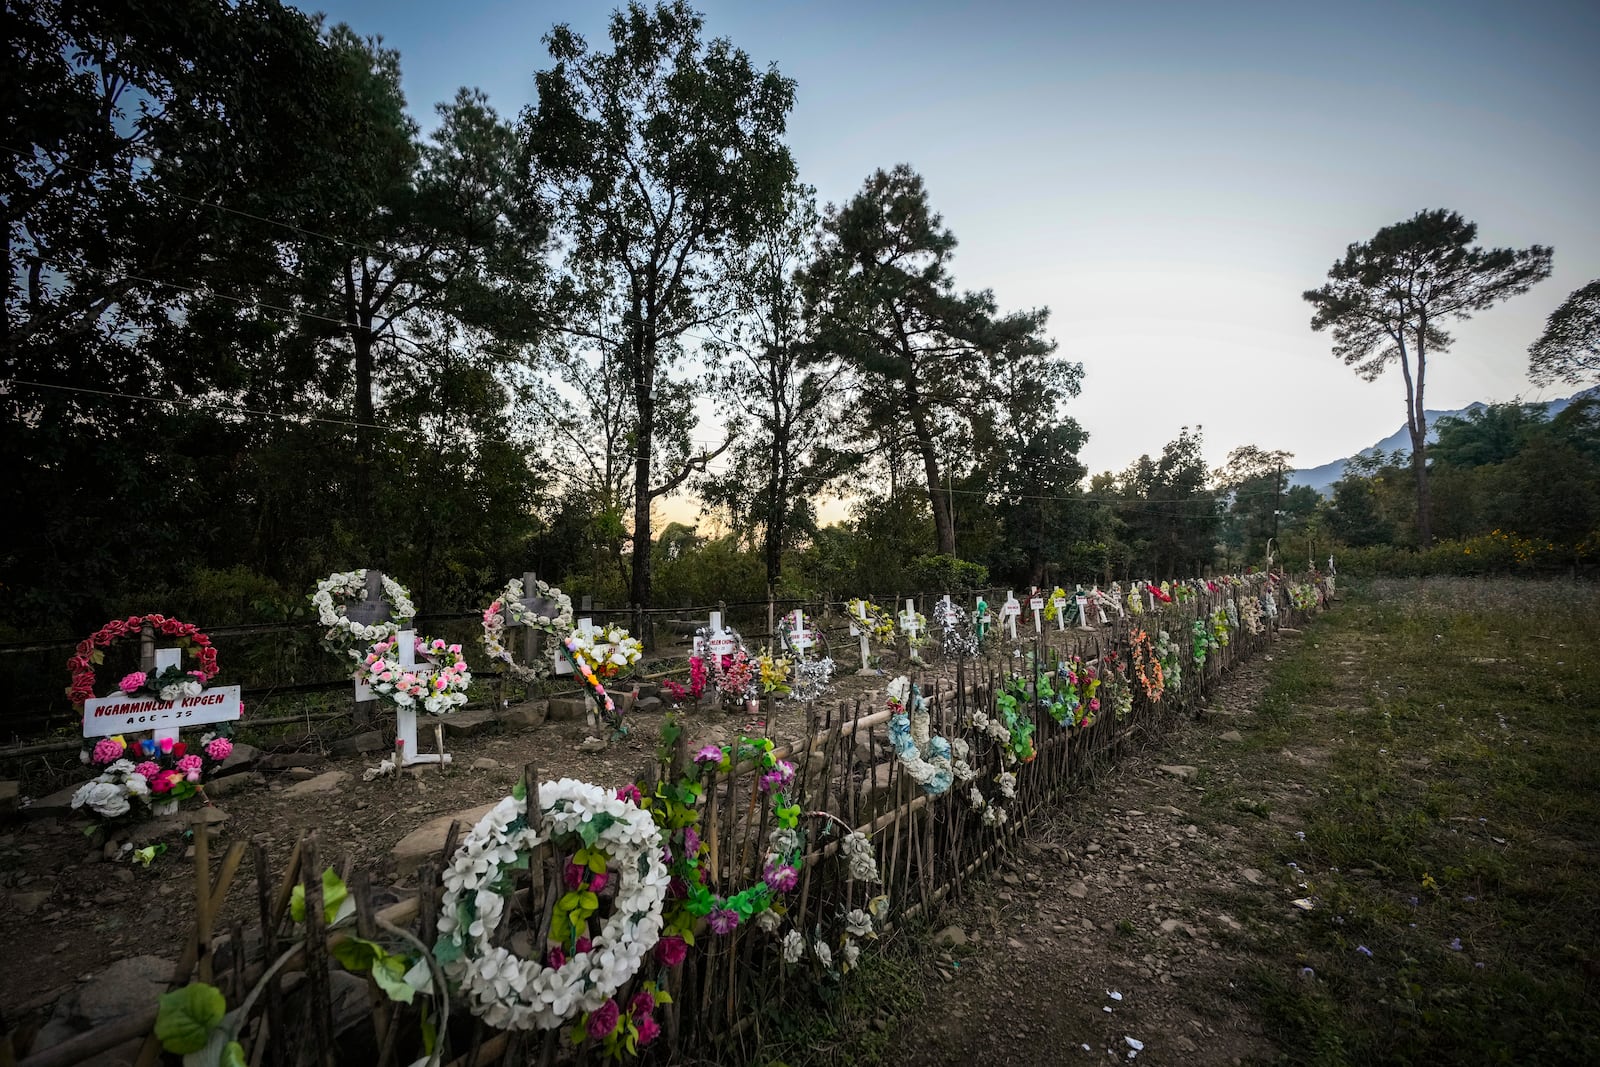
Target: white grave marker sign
(1083, 612)
(119, 713)
(908, 619)
(1060, 603)
(799, 636)
(1036, 605)
(1011, 610)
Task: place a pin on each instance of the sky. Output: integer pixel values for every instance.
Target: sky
(1167, 178)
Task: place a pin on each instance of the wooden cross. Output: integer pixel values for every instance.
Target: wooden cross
(406, 718)
(1036, 605)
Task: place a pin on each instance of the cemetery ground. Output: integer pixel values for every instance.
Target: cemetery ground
(1418, 769)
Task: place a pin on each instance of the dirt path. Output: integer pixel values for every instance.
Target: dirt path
(1138, 912)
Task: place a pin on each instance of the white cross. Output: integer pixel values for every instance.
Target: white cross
(1083, 612)
(1148, 595)
(799, 640)
(1011, 610)
(858, 628)
(1060, 603)
(406, 718)
(908, 619)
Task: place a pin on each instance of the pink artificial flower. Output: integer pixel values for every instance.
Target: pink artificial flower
(642, 1004)
(556, 959)
(603, 1019)
(165, 744)
(107, 750)
(649, 1029)
(630, 792)
(163, 783)
(598, 882)
(672, 951)
(584, 944)
(573, 875)
(132, 683)
(219, 748)
(148, 769)
(189, 764)
(193, 777)
(709, 754)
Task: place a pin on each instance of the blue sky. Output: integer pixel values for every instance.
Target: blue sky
(1166, 177)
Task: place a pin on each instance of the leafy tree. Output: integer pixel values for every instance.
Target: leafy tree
(926, 361)
(1489, 434)
(1168, 510)
(1569, 349)
(1389, 298)
(661, 159)
(1254, 480)
(782, 403)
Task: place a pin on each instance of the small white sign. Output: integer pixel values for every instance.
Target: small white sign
(722, 645)
(1036, 604)
(801, 639)
(104, 716)
(1012, 609)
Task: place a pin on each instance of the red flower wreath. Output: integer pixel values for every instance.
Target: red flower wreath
(82, 662)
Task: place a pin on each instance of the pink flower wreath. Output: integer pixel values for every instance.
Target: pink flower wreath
(82, 662)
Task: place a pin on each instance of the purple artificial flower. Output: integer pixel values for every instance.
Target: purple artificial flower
(1364, 950)
(780, 776)
(603, 1019)
(722, 920)
(709, 754)
(782, 877)
(1455, 944)
(691, 841)
(556, 959)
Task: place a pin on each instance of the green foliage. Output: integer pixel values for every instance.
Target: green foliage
(1569, 348)
(337, 904)
(187, 1016)
(947, 573)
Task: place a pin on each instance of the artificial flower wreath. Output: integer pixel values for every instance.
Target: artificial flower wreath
(508, 609)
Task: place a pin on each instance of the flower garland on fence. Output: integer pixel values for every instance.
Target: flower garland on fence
(1012, 730)
(580, 974)
(785, 843)
(1169, 661)
(933, 762)
(89, 653)
(437, 685)
(1250, 613)
(1219, 628)
(1202, 640)
(344, 636)
(509, 609)
(1147, 665)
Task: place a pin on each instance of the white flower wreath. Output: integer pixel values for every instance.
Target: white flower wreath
(509, 610)
(509, 992)
(334, 591)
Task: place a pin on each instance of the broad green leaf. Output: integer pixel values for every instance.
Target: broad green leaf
(186, 1017)
(389, 973)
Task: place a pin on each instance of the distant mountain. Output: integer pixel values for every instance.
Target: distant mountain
(1322, 478)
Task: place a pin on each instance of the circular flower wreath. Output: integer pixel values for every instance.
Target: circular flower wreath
(508, 609)
(88, 653)
(507, 991)
(336, 590)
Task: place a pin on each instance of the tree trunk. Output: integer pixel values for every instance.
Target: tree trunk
(361, 488)
(643, 541)
(1419, 467)
(944, 526)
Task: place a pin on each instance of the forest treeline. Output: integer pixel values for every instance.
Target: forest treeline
(261, 324)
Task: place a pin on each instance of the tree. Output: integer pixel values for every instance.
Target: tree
(1256, 480)
(1569, 349)
(778, 396)
(1388, 299)
(1491, 433)
(925, 360)
(661, 159)
(1169, 513)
